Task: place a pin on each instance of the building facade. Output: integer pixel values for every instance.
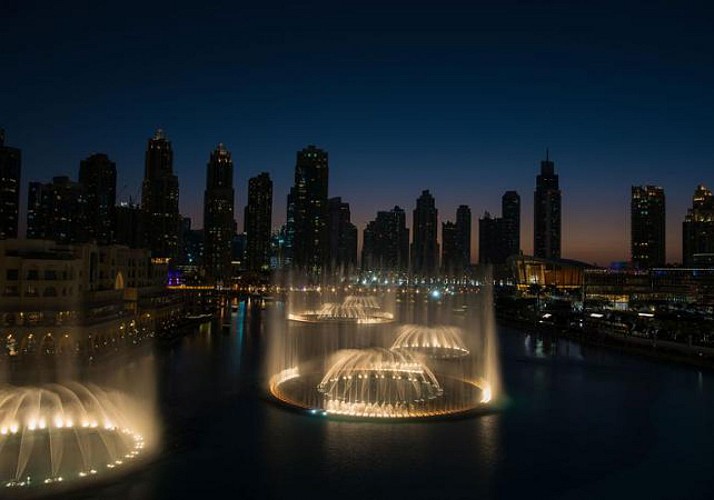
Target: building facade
(425, 248)
(698, 229)
(160, 199)
(385, 245)
(456, 243)
(98, 177)
(57, 211)
(10, 177)
(342, 236)
(511, 215)
(309, 201)
(218, 215)
(647, 226)
(259, 222)
(547, 212)
(79, 299)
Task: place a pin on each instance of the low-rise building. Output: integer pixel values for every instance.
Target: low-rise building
(79, 298)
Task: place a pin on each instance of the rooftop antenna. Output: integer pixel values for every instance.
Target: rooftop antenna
(547, 154)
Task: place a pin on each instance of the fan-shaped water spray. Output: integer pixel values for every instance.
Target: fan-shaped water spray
(56, 433)
(376, 380)
(440, 342)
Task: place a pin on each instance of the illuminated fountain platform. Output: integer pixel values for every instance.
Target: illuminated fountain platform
(378, 383)
(353, 309)
(62, 434)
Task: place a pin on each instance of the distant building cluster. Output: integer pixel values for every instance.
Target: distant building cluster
(318, 236)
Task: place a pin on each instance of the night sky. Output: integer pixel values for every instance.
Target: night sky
(458, 98)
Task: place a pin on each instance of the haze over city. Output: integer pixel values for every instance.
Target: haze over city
(462, 101)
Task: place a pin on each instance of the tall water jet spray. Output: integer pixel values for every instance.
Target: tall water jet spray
(325, 359)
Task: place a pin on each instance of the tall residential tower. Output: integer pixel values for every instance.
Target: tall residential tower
(10, 164)
(160, 199)
(218, 221)
(698, 229)
(309, 197)
(547, 212)
(98, 176)
(258, 222)
(425, 249)
(647, 226)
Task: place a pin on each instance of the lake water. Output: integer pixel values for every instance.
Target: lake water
(581, 422)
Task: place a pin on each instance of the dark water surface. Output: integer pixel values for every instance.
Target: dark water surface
(582, 422)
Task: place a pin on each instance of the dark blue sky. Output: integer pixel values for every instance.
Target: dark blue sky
(458, 98)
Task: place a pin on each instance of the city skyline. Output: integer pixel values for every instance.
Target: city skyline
(472, 92)
(673, 241)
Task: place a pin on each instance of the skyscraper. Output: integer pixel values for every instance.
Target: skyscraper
(511, 215)
(160, 199)
(218, 208)
(127, 227)
(647, 216)
(57, 211)
(98, 176)
(490, 240)
(698, 228)
(385, 245)
(425, 249)
(547, 212)
(456, 241)
(310, 201)
(342, 236)
(258, 222)
(10, 169)
(449, 248)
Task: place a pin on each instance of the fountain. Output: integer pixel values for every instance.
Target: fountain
(59, 433)
(358, 309)
(442, 342)
(326, 361)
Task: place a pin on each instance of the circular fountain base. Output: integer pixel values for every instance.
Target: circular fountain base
(460, 398)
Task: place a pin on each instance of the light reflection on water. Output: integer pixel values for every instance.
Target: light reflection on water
(582, 423)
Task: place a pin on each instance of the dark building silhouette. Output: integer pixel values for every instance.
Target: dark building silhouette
(98, 176)
(278, 249)
(511, 215)
(10, 171)
(647, 226)
(385, 245)
(57, 211)
(259, 222)
(342, 236)
(490, 240)
(309, 245)
(698, 229)
(127, 227)
(449, 248)
(547, 212)
(456, 243)
(160, 199)
(289, 230)
(218, 215)
(425, 248)
(238, 249)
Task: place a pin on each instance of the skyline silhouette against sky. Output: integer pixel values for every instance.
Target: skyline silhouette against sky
(458, 98)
